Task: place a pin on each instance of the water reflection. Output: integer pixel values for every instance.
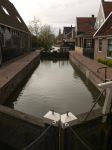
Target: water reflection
(93, 90)
(54, 85)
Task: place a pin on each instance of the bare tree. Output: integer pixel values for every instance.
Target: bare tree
(46, 36)
(43, 35)
(34, 26)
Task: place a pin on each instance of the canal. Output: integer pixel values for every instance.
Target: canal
(54, 85)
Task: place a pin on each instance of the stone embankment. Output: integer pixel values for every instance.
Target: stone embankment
(89, 68)
(13, 73)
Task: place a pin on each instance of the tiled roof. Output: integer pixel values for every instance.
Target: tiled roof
(107, 5)
(106, 28)
(10, 17)
(85, 25)
(68, 29)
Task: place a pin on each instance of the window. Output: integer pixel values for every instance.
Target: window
(88, 43)
(100, 45)
(18, 19)
(109, 51)
(5, 10)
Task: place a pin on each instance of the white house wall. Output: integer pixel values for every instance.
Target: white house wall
(100, 18)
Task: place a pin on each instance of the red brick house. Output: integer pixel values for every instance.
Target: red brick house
(84, 31)
(103, 39)
(15, 38)
(103, 35)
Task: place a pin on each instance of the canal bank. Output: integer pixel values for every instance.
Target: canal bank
(90, 68)
(16, 125)
(12, 74)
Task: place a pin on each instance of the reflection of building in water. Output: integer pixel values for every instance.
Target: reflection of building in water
(63, 63)
(15, 37)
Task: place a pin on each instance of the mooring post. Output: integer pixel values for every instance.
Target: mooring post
(107, 103)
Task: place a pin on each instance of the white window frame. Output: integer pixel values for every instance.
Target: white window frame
(5, 10)
(18, 19)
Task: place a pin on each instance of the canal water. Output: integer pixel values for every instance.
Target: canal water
(54, 85)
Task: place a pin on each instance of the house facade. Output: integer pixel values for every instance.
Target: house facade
(15, 38)
(84, 35)
(68, 33)
(103, 35)
(103, 40)
(68, 40)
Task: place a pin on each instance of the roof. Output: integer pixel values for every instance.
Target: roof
(107, 6)
(85, 25)
(9, 16)
(67, 30)
(106, 28)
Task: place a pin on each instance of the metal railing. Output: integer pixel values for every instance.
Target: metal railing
(105, 69)
(95, 102)
(28, 147)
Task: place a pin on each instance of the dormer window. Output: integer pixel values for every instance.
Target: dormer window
(5, 10)
(18, 19)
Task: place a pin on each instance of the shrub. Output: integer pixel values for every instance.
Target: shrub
(105, 62)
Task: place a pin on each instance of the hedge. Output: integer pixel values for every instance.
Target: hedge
(105, 62)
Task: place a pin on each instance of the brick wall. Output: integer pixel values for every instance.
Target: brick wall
(103, 53)
(79, 50)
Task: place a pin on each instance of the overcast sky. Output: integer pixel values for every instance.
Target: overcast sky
(57, 13)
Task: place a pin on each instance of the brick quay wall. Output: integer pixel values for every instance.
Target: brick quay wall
(14, 73)
(89, 68)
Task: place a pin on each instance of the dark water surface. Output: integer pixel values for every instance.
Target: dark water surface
(55, 85)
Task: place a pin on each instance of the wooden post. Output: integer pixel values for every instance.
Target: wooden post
(108, 98)
(107, 103)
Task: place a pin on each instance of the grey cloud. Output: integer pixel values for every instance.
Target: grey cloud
(56, 12)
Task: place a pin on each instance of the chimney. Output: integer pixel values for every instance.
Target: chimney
(92, 16)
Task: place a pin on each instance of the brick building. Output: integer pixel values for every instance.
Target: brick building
(68, 40)
(84, 31)
(15, 38)
(103, 35)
